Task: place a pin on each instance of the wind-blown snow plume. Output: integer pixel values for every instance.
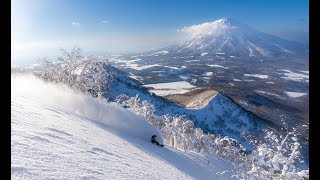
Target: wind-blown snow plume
(207, 28)
(215, 28)
(93, 109)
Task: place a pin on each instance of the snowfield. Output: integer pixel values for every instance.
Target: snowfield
(164, 89)
(306, 72)
(257, 76)
(203, 54)
(125, 61)
(172, 67)
(139, 78)
(289, 75)
(216, 65)
(208, 73)
(236, 79)
(294, 94)
(58, 134)
(137, 67)
(183, 77)
(268, 93)
(158, 53)
(192, 61)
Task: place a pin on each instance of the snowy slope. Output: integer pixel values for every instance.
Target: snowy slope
(62, 135)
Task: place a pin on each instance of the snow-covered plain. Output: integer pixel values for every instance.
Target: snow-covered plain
(216, 65)
(270, 82)
(139, 78)
(208, 73)
(289, 75)
(164, 89)
(137, 67)
(58, 134)
(294, 94)
(268, 93)
(192, 60)
(203, 54)
(172, 67)
(306, 72)
(236, 79)
(158, 53)
(257, 76)
(125, 61)
(183, 77)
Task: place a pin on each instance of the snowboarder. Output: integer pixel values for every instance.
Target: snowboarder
(153, 140)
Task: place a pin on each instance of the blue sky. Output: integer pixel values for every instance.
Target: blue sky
(41, 27)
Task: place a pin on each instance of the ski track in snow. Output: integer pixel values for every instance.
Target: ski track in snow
(50, 142)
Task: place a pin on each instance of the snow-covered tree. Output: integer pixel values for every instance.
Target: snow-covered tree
(86, 74)
(278, 157)
(275, 159)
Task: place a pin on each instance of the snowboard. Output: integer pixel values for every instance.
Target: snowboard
(158, 144)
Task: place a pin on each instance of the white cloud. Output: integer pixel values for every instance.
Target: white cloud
(104, 22)
(75, 24)
(207, 28)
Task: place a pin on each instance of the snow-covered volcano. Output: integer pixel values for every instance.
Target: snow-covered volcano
(232, 37)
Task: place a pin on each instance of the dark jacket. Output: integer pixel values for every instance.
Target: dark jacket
(153, 138)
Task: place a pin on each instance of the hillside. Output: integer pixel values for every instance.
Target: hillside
(73, 136)
(220, 115)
